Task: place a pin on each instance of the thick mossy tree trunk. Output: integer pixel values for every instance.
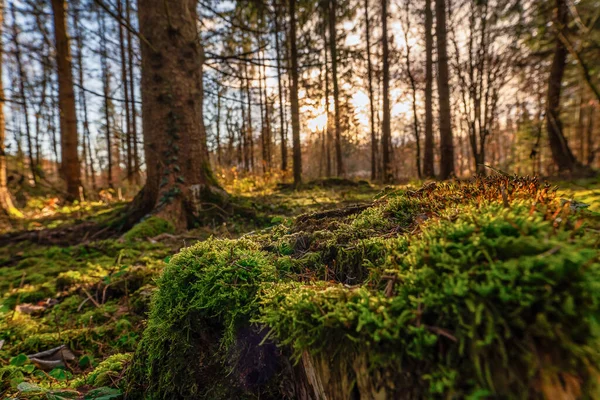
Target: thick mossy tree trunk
(179, 179)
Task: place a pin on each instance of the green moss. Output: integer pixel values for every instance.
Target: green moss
(148, 228)
(211, 288)
(460, 289)
(107, 373)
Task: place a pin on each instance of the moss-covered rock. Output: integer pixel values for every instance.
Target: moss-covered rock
(458, 290)
(150, 227)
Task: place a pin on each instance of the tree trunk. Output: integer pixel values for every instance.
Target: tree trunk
(336, 91)
(297, 150)
(66, 100)
(87, 145)
(133, 123)
(386, 130)
(413, 87)
(329, 138)
(106, 89)
(179, 178)
(218, 124)
(249, 133)
(561, 153)
(445, 121)
(428, 168)
(125, 85)
(283, 139)
(268, 132)
(371, 99)
(263, 129)
(6, 204)
(23, 96)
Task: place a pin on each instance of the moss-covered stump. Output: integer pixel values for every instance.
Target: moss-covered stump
(479, 289)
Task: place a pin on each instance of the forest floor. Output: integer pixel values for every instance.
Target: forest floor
(93, 296)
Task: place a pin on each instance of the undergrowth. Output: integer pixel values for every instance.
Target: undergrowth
(478, 289)
(93, 295)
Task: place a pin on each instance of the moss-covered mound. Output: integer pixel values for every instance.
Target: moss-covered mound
(479, 289)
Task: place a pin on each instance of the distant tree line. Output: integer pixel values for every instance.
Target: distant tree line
(154, 94)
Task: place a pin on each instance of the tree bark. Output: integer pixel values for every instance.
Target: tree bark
(23, 95)
(283, 139)
(336, 91)
(445, 121)
(561, 152)
(428, 168)
(413, 87)
(250, 132)
(6, 203)
(329, 138)
(297, 150)
(106, 91)
(386, 130)
(134, 133)
(125, 85)
(371, 99)
(179, 178)
(66, 101)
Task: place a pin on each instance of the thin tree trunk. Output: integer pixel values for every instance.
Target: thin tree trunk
(371, 99)
(66, 98)
(282, 135)
(6, 203)
(445, 121)
(297, 150)
(428, 163)
(336, 91)
(386, 127)
(268, 132)
(106, 92)
(329, 138)
(263, 116)
(125, 85)
(133, 114)
(89, 163)
(413, 86)
(218, 125)
(40, 110)
(250, 132)
(24, 97)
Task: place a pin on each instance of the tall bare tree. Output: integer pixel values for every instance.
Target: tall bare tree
(428, 162)
(386, 129)
(335, 81)
(445, 118)
(282, 133)
(297, 150)
(6, 203)
(70, 167)
(371, 96)
(23, 81)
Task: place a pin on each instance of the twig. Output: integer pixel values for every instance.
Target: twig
(90, 297)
